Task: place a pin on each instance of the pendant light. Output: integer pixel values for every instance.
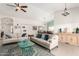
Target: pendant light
(65, 13)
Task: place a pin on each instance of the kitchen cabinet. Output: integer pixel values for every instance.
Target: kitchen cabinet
(70, 38)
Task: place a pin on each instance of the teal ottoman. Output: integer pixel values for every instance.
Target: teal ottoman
(26, 47)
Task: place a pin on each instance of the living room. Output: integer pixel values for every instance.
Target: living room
(46, 31)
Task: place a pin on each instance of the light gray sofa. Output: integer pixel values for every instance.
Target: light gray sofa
(11, 40)
(50, 44)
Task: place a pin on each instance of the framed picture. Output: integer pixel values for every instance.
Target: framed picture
(34, 27)
(40, 27)
(23, 26)
(24, 30)
(15, 27)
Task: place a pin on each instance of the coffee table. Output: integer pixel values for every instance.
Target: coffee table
(26, 47)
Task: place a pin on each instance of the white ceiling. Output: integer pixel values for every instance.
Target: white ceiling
(35, 11)
(53, 7)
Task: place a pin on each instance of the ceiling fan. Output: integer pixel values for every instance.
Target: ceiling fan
(65, 13)
(18, 7)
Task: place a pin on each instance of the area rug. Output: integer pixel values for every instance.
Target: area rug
(14, 50)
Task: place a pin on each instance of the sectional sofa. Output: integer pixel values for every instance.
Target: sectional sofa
(49, 44)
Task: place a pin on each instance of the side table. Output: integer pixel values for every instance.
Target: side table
(29, 36)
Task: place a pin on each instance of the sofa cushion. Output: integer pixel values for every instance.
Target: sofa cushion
(40, 41)
(11, 40)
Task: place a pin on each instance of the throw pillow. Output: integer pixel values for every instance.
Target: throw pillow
(24, 34)
(46, 37)
(43, 36)
(39, 35)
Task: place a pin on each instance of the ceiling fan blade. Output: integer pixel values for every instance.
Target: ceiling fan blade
(23, 10)
(10, 5)
(16, 9)
(17, 4)
(23, 6)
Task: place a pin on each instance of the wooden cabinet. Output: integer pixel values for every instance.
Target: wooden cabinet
(78, 40)
(69, 38)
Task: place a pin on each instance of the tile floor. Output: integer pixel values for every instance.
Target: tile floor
(66, 50)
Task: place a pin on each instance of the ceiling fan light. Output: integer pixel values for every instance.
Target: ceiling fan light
(65, 13)
(18, 8)
(65, 9)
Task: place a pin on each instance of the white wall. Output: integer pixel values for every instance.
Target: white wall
(27, 22)
(71, 21)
